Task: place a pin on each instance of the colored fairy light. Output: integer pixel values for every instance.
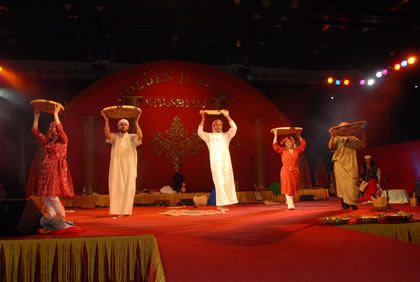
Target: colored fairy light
(337, 82)
(378, 74)
(330, 80)
(370, 82)
(397, 67)
(384, 71)
(362, 82)
(411, 60)
(404, 63)
(346, 82)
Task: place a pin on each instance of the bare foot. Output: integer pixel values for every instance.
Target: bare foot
(222, 209)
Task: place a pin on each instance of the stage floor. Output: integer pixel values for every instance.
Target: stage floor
(257, 242)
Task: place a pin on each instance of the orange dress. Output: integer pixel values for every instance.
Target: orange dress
(54, 177)
(289, 173)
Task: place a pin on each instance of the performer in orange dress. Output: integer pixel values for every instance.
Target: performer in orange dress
(54, 178)
(289, 174)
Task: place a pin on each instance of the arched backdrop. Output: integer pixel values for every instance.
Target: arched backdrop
(165, 90)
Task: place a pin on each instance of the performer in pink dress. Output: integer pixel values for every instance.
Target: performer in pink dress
(54, 178)
(289, 174)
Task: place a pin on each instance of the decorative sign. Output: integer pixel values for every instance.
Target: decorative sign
(151, 79)
(176, 145)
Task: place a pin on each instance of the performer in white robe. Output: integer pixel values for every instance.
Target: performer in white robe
(123, 166)
(220, 162)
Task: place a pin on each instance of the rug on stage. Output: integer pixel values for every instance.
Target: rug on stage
(193, 212)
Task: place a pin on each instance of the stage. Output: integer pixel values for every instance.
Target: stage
(251, 242)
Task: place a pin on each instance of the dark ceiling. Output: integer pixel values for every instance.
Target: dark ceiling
(303, 34)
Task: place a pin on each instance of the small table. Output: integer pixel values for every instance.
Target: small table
(397, 196)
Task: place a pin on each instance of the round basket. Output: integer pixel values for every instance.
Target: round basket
(335, 220)
(348, 129)
(213, 112)
(45, 106)
(379, 202)
(121, 111)
(367, 218)
(287, 130)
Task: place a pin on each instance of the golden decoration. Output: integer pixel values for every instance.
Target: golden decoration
(176, 145)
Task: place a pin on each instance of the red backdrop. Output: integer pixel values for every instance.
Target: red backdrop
(400, 161)
(187, 82)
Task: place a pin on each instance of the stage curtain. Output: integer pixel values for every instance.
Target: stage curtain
(113, 258)
(409, 232)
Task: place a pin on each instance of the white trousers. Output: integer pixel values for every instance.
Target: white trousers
(54, 206)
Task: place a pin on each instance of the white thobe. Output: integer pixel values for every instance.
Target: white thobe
(122, 172)
(221, 164)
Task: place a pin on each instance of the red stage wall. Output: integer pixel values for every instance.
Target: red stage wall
(191, 86)
(400, 161)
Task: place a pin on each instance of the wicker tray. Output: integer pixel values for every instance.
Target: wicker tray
(367, 218)
(44, 105)
(121, 111)
(213, 112)
(287, 130)
(335, 220)
(348, 129)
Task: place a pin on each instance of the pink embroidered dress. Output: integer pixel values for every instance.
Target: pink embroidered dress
(54, 177)
(289, 173)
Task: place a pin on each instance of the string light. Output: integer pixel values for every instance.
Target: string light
(380, 73)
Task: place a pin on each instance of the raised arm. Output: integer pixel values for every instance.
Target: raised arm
(279, 149)
(107, 130)
(35, 130)
(331, 143)
(302, 145)
(233, 128)
(62, 137)
(203, 118)
(56, 117)
(200, 132)
(138, 129)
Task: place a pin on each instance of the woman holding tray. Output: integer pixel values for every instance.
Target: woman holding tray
(289, 174)
(54, 179)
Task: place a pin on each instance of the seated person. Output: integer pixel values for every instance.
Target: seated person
(178, 180)
(183, 188)
(369, 173)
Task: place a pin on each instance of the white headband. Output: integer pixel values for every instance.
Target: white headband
(123, 120)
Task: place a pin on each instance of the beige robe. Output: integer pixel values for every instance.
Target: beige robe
(345, 168)
(122, 172)
(221, 164)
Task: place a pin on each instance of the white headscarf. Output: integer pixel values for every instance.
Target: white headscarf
(123, 121)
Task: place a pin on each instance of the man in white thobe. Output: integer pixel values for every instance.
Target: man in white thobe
(123, 166)
(220, 162)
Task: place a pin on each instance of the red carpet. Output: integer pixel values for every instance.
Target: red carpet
(262, 243)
